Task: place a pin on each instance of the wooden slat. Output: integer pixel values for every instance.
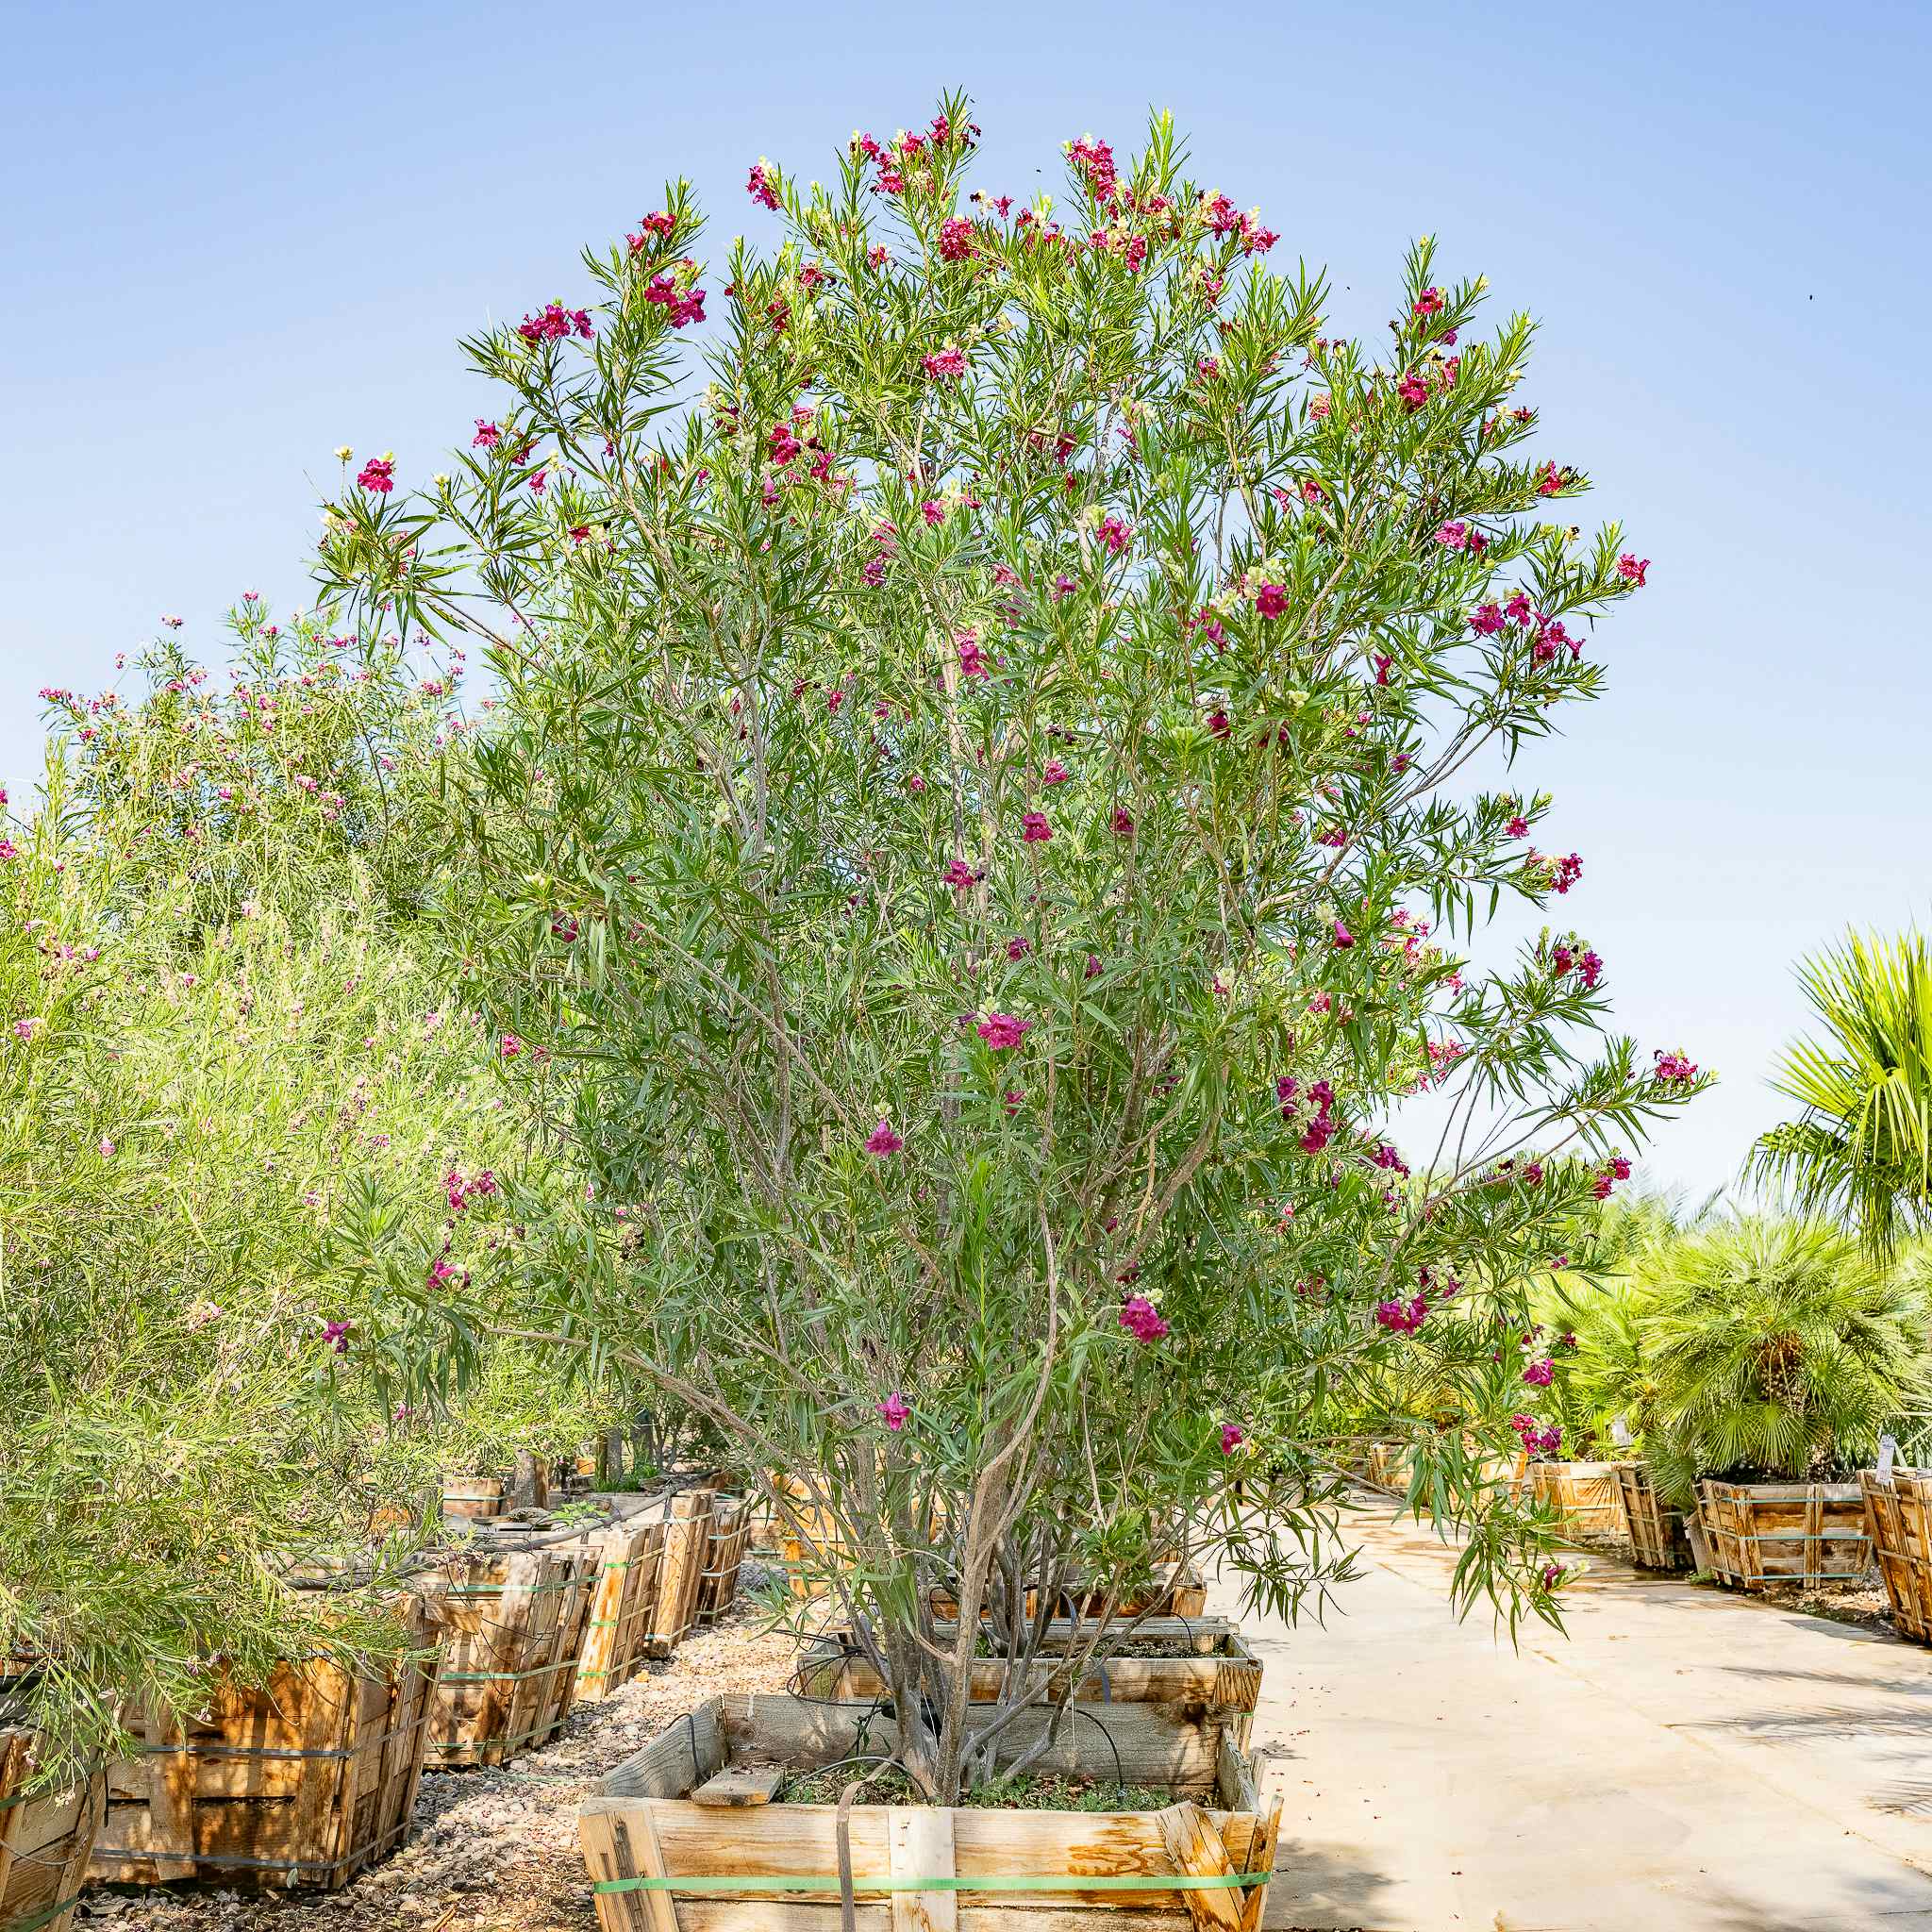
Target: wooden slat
(1196, 1850)
(735, 1790)
(921, 1839)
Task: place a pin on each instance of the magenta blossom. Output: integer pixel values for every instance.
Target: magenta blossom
(1001, 1030)
(337, 1335)
(946, 364)
(882, 1140)
(1142, 1320)
(1034, 828)
(895, 1411)
(376, 475)
(1231, 1438)
(1538, 1372)
(1271, 600)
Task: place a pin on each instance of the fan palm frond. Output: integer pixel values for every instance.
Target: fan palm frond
(1861, 1150)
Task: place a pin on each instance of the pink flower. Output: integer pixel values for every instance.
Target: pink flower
(1271, 600)
(1034, 828)
(107, 1149)
(882, 1140)
(1400, 1316)
(958, 875)
(1673, 1069)
(1017, 948)
(511, 1048)
(1343, 938)
(375, 475)
(1142, 1320)
(970, 663)
(337, 1335)
(1413, 390)
(946, 364)
(1631, 568)
(1114, 534)
(1093, 967)
(1122, 822)
(1218, 725)
(1429, 303)
(759, 186)
(1001, 1030)
(894, 1412)
(1055, 773)
(1518, 827)
(1539, 1373)
(1231, 1438)
(554, 323)
(956, 238)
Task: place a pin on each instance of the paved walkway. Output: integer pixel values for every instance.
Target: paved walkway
(1685, 1760)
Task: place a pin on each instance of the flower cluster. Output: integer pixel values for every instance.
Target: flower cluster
(1142, 1320)
(554, 323)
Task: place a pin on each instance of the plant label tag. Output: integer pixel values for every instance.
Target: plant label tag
(1620, 1432)
(1887, 1455)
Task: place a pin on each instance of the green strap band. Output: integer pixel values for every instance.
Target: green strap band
(43, 1917)
(1058, 1881)
(569, 1664)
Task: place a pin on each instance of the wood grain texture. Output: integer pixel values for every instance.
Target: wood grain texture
(643, 1822)
(1657, 1538)
(1898, 1518)
(515, 1625)
(46, 1841)
(1586, 1496)
(921, 1840)
(305, 1781)
(732, 1790)
(1802, 1533)
(687, 1535)
(623, 1603)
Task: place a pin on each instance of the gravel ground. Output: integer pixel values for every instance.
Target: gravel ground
(493, 1851)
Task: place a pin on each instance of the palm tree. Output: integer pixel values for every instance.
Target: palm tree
(1861, 1150)
(1774, 1345)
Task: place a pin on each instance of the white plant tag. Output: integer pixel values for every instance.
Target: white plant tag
(1887, 1455)
(1620, 1432)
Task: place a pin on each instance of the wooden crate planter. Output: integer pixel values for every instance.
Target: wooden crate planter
(45, 1839)
(725, 1546)
(623, 1605)
(1898, 1518)
(1657, 1537)
(1584, 1495)
(1802, 1533)
(667, 1814)
(515, 1624)
(472, 1496)
(680, 1576)
(1213, 1689)
(306, 1781)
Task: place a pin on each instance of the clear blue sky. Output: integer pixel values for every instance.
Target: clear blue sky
(238, 237)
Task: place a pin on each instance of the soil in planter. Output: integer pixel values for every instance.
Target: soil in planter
(1026, 1792)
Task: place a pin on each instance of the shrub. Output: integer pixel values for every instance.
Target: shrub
(216, 1037)
(957, 861)
(1779, 1351)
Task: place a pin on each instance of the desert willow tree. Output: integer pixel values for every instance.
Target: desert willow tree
(956, 852)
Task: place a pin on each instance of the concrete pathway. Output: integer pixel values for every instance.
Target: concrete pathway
(1685, 1760)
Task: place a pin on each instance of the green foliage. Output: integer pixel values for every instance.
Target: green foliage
(1861, 1150)
(956, 858)
(1774, 1348)
(217, 1033)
